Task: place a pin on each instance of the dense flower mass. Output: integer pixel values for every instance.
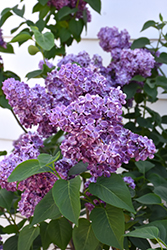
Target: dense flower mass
(30, 104)
(71, 81)
(84, 99)
(112, 41)
(131, 63)
(2, 43)
(81, 5)
(35, 188)
(96, 134)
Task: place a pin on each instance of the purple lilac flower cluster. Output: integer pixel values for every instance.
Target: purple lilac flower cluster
(131, 63)
(125, 63)
(30, 104)
(96, 134)
(121, 69)
(129, 181)
(112, 41)
(58, 4)
(35, 188)
(2, 43)
(71, 81)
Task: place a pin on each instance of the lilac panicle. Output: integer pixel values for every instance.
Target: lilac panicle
(131, 63)
(112, 41)
(35, 188)
(96, 134)
(30, 104)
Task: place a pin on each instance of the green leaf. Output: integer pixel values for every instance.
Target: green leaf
(79, 168)
(83, 236)
(4, 11)
(138, 78)
(65, 11)
(67, 198)
(64, 34)
(160, 17)
(10, 229)
(3, 152)
(112, 190)
(148, 24)
(40, 24)
(144, 166)
(75, 27)
(22, 36)
(161, 191)
(108, 225)
(6, 198)
(24, 170)
(43, 2)
(33, 50)
(11, 243)
(45, 209)
(164, 119)
(149, 199)
(140, 243)
(5, 17)
(150, 232)
(161, 81)
(46, 159)
(46, 240)
(27, 236)
(152, 92)
(15, 29)
(45, 41)
(44, 11)
(162, 227)
(10, 74)
(4, 102)
(162, 58)
(27, 169)
(130, 89)
(9, 49)
(19, 12)
(34, 74)
(95, 4)
(60, 232)
(140, 42)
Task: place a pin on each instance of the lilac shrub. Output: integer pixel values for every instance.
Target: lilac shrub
(84, 99)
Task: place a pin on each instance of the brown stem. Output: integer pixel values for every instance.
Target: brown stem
(71, 245)
(18, 121)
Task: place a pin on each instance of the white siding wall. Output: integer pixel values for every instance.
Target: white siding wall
(127, 14)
